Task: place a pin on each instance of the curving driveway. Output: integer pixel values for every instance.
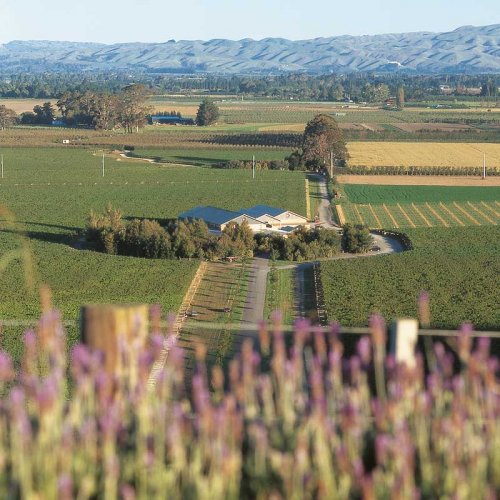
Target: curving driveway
(256, 294)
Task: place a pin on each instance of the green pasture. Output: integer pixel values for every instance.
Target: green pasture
(210, 156)
(51, 193)
(377, 194)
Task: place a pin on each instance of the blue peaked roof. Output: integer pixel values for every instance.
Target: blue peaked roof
(209, 214)
(214, 215)
(260, 210)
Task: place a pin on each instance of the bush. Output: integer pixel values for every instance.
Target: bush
(146, 238)
(356, 238)
(302, 244)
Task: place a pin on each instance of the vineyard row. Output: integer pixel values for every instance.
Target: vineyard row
(452, 214)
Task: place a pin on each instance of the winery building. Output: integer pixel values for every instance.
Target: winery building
(260, 218)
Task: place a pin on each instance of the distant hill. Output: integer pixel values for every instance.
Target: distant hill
(467, 49)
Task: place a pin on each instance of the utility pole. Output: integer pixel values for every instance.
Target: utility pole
(331, 164)
(2, 166)
(103, 164)
(253, 167)
(484, 165)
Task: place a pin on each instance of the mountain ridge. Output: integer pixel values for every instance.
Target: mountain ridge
(466, 49)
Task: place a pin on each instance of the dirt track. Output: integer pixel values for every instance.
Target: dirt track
(418, 180)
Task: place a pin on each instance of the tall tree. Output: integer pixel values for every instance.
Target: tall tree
(7, 117)
(132, 107)
(104, 111)
(400, 97)
(208, 113)
(44, 114)
(323, 139)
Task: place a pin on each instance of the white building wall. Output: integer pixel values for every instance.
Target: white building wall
(291, 219)
(267, 219)
(254, 224)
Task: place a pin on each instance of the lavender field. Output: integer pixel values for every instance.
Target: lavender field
(293, 418)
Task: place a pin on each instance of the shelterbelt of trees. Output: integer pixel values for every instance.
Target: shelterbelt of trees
(110, 233)
(365, 86)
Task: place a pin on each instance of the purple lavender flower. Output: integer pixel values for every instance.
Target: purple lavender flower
(46, 394)
(364, 349)
(378, 329)
(65, 487)
(128, 492)
(6, 370)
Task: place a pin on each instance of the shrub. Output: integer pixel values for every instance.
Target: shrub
(302, 244)
(146, 238)
(356, 238)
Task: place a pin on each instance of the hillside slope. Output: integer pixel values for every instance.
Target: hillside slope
(471, 49)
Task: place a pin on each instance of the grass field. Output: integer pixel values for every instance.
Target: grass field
(210, 156)
(280, 294)
(369, 193)
(459, 268)
(51, 192)
(315, 195)
(421, 154)
(392, 207)
(223, 286)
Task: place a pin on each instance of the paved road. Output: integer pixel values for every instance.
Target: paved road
(324, 208)
(386, 244)
(254, 307)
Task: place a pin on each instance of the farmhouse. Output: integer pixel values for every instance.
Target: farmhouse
(275, 217)
(217, 218)
(259, 218)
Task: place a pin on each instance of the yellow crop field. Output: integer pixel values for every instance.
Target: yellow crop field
(423, 154)
(23, 105)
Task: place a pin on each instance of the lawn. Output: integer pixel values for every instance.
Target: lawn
(458, 266)
(280, 294)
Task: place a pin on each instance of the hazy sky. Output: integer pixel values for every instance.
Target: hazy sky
(111, 21)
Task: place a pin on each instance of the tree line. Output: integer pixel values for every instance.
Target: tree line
(99, 110)
(128, 109)
(110, 233)
(105, 111)
(363, 86)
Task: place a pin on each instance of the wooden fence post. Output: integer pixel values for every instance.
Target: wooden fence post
(403, 339)
(112, 328)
